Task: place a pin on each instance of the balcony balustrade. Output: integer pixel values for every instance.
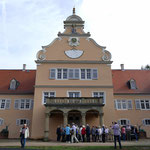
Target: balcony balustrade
(78, 101)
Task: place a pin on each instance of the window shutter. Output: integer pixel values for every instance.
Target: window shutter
(71, 72)
(27, 122)
(53, 73)
(115, 104)
(143, 121)
(76, 73)
(16, 104)
(119, 122)
(129, 104)
(1, 122)
(32, 103)
(18, 122)
(94, 74)
(8, 101)
(128, 122)
(137, 104)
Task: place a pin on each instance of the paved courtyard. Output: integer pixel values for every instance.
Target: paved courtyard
(16, 142)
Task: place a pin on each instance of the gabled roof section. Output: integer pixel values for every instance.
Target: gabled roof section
(121, 78)
(25, 78)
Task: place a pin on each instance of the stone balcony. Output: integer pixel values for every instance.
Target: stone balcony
(69, 101)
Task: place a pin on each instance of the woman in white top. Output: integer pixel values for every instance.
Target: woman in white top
(24, 133)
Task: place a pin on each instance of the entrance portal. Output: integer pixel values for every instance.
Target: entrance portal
(74, 116)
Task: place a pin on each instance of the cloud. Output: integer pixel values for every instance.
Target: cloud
(122, 26)
(30, 25)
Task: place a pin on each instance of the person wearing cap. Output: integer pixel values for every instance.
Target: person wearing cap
(24, 134)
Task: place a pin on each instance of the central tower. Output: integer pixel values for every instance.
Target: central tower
(73, 81)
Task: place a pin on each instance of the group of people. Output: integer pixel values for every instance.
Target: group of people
(129, 132)
(85, 133)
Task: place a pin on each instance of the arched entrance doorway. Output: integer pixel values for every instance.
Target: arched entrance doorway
(55, 120)
(92, 117)
(74, 116)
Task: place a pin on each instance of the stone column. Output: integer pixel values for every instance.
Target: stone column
(83, 118)
(46, 132)
(65, 118)
(101, 119)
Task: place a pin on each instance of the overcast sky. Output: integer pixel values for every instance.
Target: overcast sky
(123, 26)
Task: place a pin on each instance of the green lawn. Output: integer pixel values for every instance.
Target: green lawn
(85, 148)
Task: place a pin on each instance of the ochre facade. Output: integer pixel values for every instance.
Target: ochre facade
(77, 72)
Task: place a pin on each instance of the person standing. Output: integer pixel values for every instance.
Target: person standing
(83, 132)
(68, 133)
(73, 137)
(123, 133)
(136, 133)
(116, 129)
(128, 132)
(63, 133)
(93, 133)
(103, 134)
(24, 134)
(87, 133)
(58, 132)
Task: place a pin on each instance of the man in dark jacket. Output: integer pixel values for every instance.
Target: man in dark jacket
(58, 132)
(88, 133)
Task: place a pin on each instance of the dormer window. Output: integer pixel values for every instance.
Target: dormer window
(13, 84)
(132, 84)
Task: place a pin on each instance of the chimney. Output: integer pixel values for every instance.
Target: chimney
(24, 67)
(122, 67)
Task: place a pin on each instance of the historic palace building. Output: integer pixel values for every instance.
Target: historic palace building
(73, 82)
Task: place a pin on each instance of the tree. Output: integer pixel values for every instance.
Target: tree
(147, 67)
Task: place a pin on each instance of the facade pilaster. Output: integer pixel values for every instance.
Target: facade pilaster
(46, 132)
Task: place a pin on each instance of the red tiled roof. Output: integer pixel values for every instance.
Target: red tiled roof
(120, 79)
(26, 81)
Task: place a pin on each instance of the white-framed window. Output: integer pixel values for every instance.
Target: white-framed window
(101, 95)
(74, 73)
(123, 121)
(23, 104)
(1, 121)
(48, 94)
(22, 121)
(5, 104)
(123, 104)
(146, 121)
(142, 104)
(73, 94)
